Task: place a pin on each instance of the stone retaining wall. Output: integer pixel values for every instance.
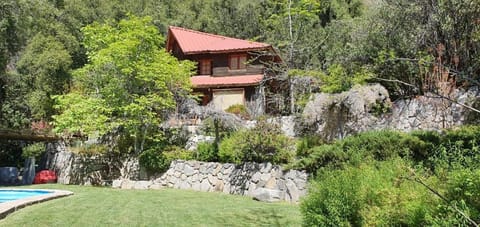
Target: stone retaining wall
(81, 169)
(265, 182)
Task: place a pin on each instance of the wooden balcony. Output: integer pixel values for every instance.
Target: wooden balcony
(249, 70)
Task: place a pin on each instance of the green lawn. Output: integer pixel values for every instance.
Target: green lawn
(93, 206)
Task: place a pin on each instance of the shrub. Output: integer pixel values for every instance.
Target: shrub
(339, 79)
(463, 186)
(224, 129)
(33, 150)
(263, 143)
(89, 149)
(363, 179)
(325, 156)
(305, 144)
(454, 149)
(239, 110)
(172, 153)
(372, 194)
(376, 145)
(207, 152)
(158, 160)
(381, 145)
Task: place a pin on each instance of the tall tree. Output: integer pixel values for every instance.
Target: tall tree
(46, 64)
(127, 83)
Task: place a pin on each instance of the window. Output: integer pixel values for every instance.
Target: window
(205, 67)
(237, 61)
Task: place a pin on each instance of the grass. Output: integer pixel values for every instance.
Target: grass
(96, 206)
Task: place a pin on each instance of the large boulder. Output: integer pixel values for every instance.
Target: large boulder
(268, 195)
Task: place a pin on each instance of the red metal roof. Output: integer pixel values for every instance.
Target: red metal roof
(194, 42)
(225, 81)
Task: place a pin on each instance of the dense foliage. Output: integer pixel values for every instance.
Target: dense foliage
(390, 178)
(41, 42)
(33, 150)
(157, 160)
(263, 143)
(128, 81)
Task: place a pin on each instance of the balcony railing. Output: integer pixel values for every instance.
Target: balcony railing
(249, 70)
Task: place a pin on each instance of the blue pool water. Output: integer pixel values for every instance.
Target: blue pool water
(9, 195)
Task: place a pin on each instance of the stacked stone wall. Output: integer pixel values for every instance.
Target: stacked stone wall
(265, 182)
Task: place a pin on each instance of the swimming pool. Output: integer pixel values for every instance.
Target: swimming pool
(14, 199)
(14, 194)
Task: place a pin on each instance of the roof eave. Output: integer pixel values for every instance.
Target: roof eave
(226, 85)
(225, 51)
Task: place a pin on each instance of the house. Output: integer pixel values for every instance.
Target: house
(230, 71)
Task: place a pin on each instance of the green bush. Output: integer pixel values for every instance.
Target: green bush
(263, 143)
(305, 144)
(339, 79)
(207, 152)
(172, 153)
(468, 137)
(453, 149)
(224, 130)
(376, 145)
(157, 160)
(89, 149)
(366, 179)
(239, 110)
(372, 194)
(33, 150)
(325, 156)
(382, 145)
(463, 186)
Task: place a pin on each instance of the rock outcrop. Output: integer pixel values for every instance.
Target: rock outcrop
(369, 107)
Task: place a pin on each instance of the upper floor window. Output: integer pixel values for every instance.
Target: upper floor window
(205, 67)
(237, 61)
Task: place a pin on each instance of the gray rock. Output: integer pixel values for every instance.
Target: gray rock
(281, 185)
(142, 184)
(203, 169)
(188, 170)
(265, 177)
(268, 195)
(179, 166)
(177, 173)
(292, 191)
(185, 185)
(219, 186)
(251, 189)
(212, 179)
(226, 188)
(300, 183)
(156, 186)
(271, 184)
(196, 186)
(205, 186)
(117, 183)
(217, 169)
(256, 177)
(128, 184)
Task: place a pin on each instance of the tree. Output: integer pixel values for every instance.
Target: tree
(424, 44)
(127, 83)
(296, 27)
(8, 46)
(46, 64)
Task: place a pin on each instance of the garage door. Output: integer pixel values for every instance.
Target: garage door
(224, 98)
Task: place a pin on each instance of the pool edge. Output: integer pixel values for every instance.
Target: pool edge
(7, 208)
